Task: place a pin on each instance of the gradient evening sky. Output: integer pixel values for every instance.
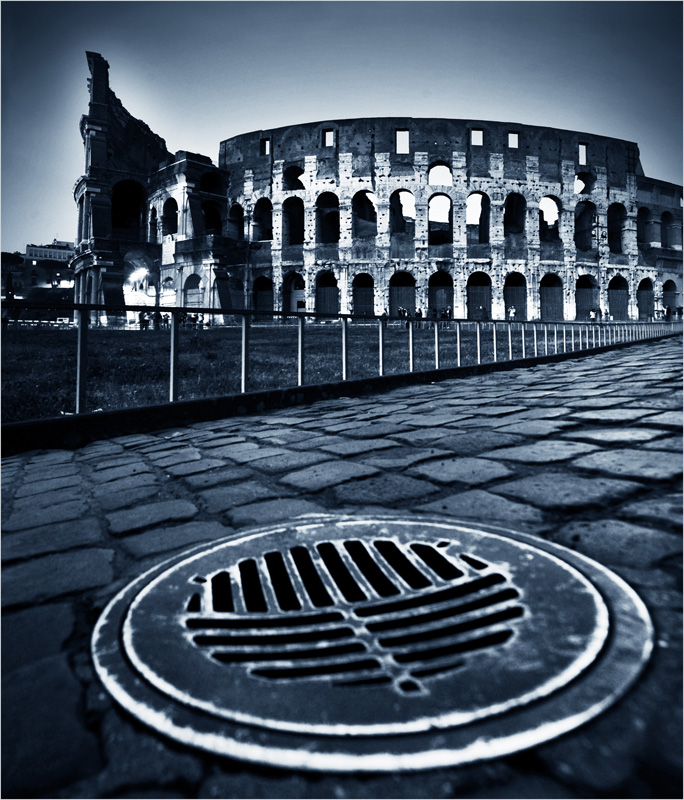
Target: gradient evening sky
(200, 72)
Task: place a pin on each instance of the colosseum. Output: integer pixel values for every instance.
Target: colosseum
(458, 218)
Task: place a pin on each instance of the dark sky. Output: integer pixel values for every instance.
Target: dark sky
(200, 72)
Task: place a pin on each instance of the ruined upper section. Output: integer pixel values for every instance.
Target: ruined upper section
(114, 139)
(438, 139)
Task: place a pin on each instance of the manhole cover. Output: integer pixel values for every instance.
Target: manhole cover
(341, 643)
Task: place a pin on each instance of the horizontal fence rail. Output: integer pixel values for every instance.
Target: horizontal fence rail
(246, 348)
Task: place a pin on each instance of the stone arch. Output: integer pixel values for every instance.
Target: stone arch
(402, 293)
(515, 209)
(192, 291)
(439, 174)
(128, 211)
(440, 221)
(152, 235)
(440, 293)
(291, 178)
(327, 218)
(364, 215)
(549, 219)
(515, 295)
(262, 295)
(586, 296)
(477, 218)
(618, 298)
(670, 295)
(213, 223)
(170, 217)
(294, 296)
(551, 297)
(235, 229)
(643, 226)
(585, 224)
(327, 293)
(617, 217)
(363, 295)
(402, 213)
(479, 296)
(293, 221)
(262, 220)
(646, 299)
(670, 231)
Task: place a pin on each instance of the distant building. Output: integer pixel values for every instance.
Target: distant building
(42, 273)
(57, 251)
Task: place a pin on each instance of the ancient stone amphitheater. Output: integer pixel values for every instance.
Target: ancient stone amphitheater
(455, 218)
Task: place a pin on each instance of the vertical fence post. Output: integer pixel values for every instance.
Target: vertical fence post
(345, 350)
(546, 339)
(381, 348)
(510, 342)
(244, 359)
(565, 348)
(458, 344)
(555, 339)
(436, 324)
(494, 337)
(410, 346)
(81, 359)
(300, 351)
(593, 336)
(534, 328)
(478, 342)
(522, 331)
(173, 363)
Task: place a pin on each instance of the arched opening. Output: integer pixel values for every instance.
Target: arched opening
(235, 229)
(618, 298)
(440, 295)
(170, 217)
(229, 293)
(402, 215)
(514, 215)
(667, 238)
(327, 219)
(584, 182)
(262, 221)
(477, 218)
(670, 295)
(211, 182)
(211, 212)
(293, 293)
(291, 179)
(262, 296)
(617, 216)
(327, 293)
(192, 291)
(152, 236)
(440, 225)
(549, 218)
(293, 221)
(479, 296)
(364, 216)
(363, 295)
(646, 299)
(585, 223)
(439, 174)
(128, 211)
(586, 296)
(402, 293)
(515, 296)
(643, 226)
(551, 297)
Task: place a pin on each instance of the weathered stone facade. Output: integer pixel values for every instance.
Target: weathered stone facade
(364, 216)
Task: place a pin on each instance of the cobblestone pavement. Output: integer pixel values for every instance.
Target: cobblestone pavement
(587, 453)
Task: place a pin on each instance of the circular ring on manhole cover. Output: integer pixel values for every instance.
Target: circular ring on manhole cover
(371, 644)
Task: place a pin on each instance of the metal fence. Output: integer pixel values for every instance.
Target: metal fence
(453, 343)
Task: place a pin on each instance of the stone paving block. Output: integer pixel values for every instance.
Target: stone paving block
(419, 437)
(172, 538)
(673, 443)
(55, 575)
(535, 427)
(35, 517)
(173, 457)
(404, 457)
(52, 457)
(253, 456)
(135, 519)
(40, 473)
(544, 452)
(486, 507)
(49, 744)
(329, 473)
(462, 470)
(115, 473)
(498, 410)
(134, 439)
(231, 450)
(662, 511)
(46, 499)
(612, 435)
(123, 484)
(223, 498)
(31, 488)
(281, 510)
(51, 539)
(672, 419)
(356, 447)
(374, 431)
(34, 633)
(384, 489)
(195, 467)
(611, 541)
(564, 490)
(613, 415)
(473, 443)
(292, 460)
(317, 442)
(116, 461)
(217, 476)
(113, 501)
(633, 464)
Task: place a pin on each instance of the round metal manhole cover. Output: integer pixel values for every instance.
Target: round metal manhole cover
(342, 643)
